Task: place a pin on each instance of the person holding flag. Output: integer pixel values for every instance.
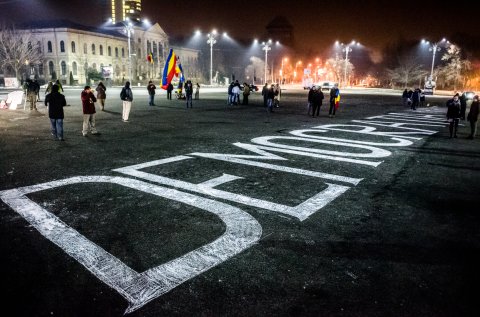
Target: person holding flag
(334, 100)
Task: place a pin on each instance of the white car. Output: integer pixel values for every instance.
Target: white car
(325, 86)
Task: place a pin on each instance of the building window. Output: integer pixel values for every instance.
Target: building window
(74, 68)
(49, 47)
(51, 69)
(116, 51)
(93, 49)
(39, 47)
(73, 47)
(64, 68)
(85, 48)
(109, 51)
(62, 46)
(123, 52)
(101, 49)
(40, 69)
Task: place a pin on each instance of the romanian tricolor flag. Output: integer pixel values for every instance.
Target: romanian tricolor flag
(150, 58)
(337, 99)
(172, 67)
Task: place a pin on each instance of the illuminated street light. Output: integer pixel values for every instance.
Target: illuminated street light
(211, 40)
(434, 48)
(266, 48)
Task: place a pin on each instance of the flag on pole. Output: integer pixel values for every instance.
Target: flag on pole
(150, 58)
(172, 67)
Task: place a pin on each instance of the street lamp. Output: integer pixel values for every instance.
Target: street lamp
(347, 49)
(266, 48)
(211, 40)
(128, 28)
(434, 48)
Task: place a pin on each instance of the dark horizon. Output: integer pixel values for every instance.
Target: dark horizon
(317, 24)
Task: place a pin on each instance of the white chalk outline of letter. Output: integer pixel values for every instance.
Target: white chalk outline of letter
(242, 231)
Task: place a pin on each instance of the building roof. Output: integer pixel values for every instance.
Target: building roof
(63, 23)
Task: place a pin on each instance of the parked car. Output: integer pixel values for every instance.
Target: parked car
(327, 85)
(253, 87)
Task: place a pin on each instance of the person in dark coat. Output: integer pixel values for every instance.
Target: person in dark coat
(264, 94)
(473, 116)
(169, 91)
(189, 92)
(88, 107)
(55, 102)
(415, 99)
(453, 114)
(151, 93)
(311, 92)
(463, 105)
(317, 99)
(334, 92)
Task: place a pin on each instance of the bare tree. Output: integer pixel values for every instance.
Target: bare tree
(456, 68)
(337, 66)
(408, 72)
(18, 49)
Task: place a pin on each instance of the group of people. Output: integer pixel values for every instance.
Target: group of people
(315, 99)
(414, 98)
(234, 91)
(271, 96)
(456, 110)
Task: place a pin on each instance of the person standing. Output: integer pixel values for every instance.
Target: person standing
(49, 88)
(88, 107)
(101, 94)
(311, 92)
(334, 93)
(151, 93)
(189, 92)
(270, 96)
(32, 88)
(197, 91)
(405, 97)
(473, 116)
(453, 114)
(246, 93)
(317, 100)
(265, 94)
(55, 102)
(415, 99)
(127, 97)
(169, 91)
(60, 87)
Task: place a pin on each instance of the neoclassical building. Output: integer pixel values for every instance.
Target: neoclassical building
(68, 47)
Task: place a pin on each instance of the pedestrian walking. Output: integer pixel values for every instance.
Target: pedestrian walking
(101, 94)
(32, 89)
(197, 91)
(334, 101)
(189, 92)
(270, 97)
(405, 97)
(415, 99)
(37, 88)
(49, 88)
(473, 116)
(453, 114)
(169, 91)
(127, 97)
(151, 93)
(423, 100)
(88, 107)
(55, 102)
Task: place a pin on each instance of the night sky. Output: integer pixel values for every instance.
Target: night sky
(317, 24)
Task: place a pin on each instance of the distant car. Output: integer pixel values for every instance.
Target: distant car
(253, 87)
(469, 95)
(327, 85)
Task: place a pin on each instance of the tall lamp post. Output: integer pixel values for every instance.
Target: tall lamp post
(128, 28)
(347, 49)
(266, 48)
(211, 40)
(434, 48)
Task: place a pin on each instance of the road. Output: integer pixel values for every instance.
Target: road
(232, 211)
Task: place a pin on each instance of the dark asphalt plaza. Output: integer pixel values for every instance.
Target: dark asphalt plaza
(231, 211)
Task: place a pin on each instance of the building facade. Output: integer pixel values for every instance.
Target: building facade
(72, 51)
